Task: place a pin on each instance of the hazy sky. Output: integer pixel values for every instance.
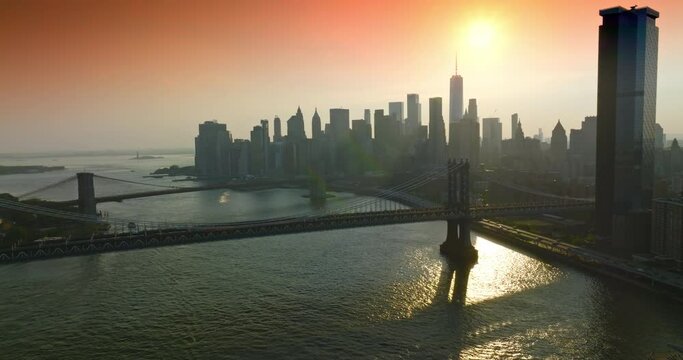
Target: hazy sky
(101, 74)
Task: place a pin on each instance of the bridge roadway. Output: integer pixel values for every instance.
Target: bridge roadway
(247, 229)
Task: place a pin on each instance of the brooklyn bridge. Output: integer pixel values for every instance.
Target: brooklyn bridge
(384, 208)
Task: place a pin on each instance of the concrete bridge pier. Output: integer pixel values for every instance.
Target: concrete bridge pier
(458, 245)
(86, 194)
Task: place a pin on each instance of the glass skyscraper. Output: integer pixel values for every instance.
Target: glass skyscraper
(627, 86)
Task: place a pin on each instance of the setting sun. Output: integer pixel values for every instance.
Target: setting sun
(481, 34)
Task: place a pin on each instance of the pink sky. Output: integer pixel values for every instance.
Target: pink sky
(142, 74)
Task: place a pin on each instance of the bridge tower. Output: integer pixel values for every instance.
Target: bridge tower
(86, 194)
(458, 245)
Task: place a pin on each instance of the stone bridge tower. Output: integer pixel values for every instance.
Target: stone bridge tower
(86, 194)
(458, 245)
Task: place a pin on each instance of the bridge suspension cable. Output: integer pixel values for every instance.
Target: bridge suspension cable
(528, 190)
(387, 194)
(47, 187)
(138, 182)
(379, 202)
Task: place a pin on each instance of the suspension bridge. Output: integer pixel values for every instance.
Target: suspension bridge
(387, 207)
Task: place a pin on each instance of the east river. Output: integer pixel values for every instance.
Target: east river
(379, 292)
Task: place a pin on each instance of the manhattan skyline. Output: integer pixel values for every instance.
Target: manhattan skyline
(80, 72)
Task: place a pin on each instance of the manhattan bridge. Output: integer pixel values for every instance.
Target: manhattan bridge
(392, 205)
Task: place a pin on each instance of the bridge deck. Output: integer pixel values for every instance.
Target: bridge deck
(257, 228)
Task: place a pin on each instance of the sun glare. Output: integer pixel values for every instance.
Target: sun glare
(482, 34)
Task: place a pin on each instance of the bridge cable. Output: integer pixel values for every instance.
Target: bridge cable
(140, 183)
(47, 187)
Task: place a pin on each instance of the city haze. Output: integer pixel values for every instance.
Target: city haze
(83, 75)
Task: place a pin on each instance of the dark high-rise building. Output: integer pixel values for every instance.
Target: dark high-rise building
(492, 137)
(265, 145)
(455, 110)
(627, 85)
(396, 111)
(367, 116)
(660, 138)
(212, 150)
(465, 141)
(338, 137)
(472, 109)
(582, 148)
(277, 130)
(386, 136)
(317, 126)
(361, 132)
(295, 152)
(257, 155)
(558, 144)
(339, 124)
(437, 132)
(239, 157)
(514, 124)
(414, 119)
(361, 135)
(295, 127)
(266, 131)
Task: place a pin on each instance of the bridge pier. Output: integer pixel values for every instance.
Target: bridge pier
(317, 191)
(458, 245)
(86, 194)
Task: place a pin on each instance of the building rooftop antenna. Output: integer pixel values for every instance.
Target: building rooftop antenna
(456, 63)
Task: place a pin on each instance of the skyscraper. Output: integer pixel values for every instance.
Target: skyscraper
(265, 141)
(396, 111)
(386, 136)
(514, 121)
(456, 103)
(361, 135)
(582, 147)
(414, 120)
(492, 137)
(295, 127)
(338, 136)
(660, 138)
(465, 139)
(277, 130)
(212, 150)
(256, 153)
(367, 116)
(472, 109)
(339, 124)
(437, 132)
(627, 85)
(558, 144)
(316, 125)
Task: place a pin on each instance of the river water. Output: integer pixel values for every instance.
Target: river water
(380, 292)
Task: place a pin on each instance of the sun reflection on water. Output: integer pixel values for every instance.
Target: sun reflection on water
(409, 294)
(501, 271)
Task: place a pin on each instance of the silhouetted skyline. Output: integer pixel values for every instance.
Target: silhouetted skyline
(92, 75)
